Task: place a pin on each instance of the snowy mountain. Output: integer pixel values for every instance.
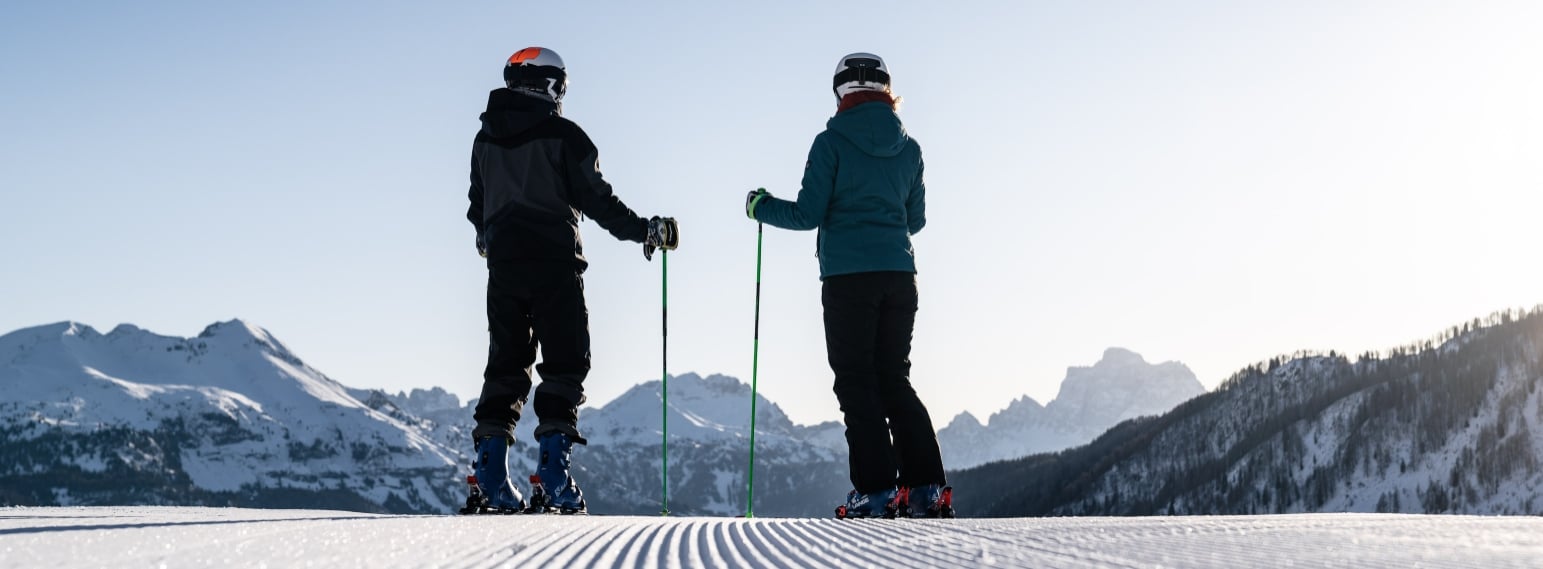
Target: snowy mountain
(799, 470)
(1120, 386)
(1450, 425)
(703, 409)
(233, 417)
(229, 417)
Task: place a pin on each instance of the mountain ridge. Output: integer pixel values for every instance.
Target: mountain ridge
(225, 415)
(1448, 425)
(130, 417)
(233, 417)
(1121, 385)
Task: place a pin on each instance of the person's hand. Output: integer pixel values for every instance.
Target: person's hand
(754, 198)
(482, 246)
(663, 233)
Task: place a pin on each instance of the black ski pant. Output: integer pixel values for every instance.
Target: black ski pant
(868, 322)
(530, 305)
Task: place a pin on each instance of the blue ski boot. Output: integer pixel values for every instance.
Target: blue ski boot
(552, 488)
(930, 501)
(882, 504)
(491, 491)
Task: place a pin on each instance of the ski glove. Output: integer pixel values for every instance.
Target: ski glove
(663, 233)
(482, 246)
(754, 198)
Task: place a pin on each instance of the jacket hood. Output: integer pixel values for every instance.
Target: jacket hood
(873, 127)
(510, 113)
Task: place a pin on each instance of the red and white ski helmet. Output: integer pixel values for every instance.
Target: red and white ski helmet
(538, 71)
(860, 71)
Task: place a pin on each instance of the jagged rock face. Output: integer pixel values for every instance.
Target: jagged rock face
(965, 423)
(426, 401)
(1120, 386)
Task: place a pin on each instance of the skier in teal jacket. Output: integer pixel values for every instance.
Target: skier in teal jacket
(863, 190)
(867, 209)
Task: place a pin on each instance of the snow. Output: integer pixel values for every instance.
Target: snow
(712, 408)
(199, 537)
(233, 410)
(71, 377)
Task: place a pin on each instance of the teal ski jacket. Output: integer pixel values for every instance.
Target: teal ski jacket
(862, 189)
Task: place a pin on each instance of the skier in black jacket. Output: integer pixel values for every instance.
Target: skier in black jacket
(533, 173)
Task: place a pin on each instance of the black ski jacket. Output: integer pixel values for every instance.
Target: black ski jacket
(533, 173)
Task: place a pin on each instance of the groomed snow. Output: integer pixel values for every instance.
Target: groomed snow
(201, 537)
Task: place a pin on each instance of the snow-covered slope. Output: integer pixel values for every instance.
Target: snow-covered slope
(1449, 425)
(233, 417)
(800, 470)
(226, 416)
(65, 538)
(1120, 386)
(715, 408)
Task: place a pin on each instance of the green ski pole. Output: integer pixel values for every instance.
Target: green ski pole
(755, 363)
(664, 381)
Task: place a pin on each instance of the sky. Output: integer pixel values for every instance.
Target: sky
(1210, 182)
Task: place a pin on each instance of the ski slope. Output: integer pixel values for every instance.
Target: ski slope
(202, 537)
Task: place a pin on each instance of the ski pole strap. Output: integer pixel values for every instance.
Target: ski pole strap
(760, 194)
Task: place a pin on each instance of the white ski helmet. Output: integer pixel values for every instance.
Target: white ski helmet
(860, 71)
(538, 71)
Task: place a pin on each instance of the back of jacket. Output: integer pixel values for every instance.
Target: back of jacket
(533, 173)
(863, 189)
